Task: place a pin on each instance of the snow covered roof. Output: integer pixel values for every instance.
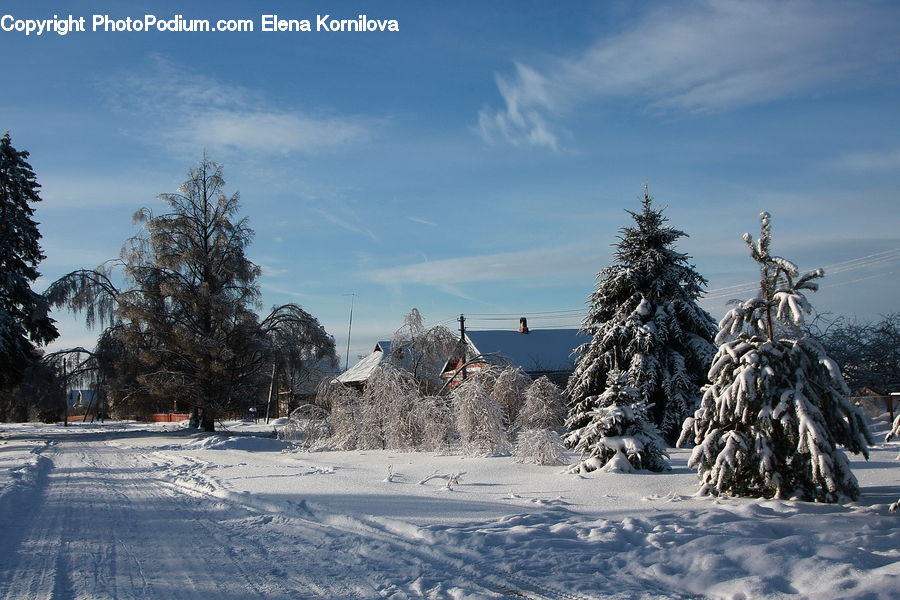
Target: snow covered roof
(362, 370)
(536, 351)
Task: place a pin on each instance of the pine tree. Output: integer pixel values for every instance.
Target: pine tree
(776, 408)
(644, 320)
(24, 319)
(620, 436)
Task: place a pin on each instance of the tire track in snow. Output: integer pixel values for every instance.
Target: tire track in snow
(34, 563)
(388, 542)
(99, 523)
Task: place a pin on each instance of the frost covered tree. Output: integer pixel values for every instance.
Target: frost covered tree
(479, 421)
(345, 416)
(436, 417)
(391, 400)
(508, 391)
(178, 307)
(894, 433)
(775, 411)
(868, 353)
(620, 436)
(24, 314)
(537, 424)
(544, 407)
(644, 320)
(422, 350)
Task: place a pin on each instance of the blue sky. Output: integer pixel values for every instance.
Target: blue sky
(479, 160)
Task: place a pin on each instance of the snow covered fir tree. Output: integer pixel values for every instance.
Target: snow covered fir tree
(776, 411)
(24, 314)
(644, 320)
(620, 437)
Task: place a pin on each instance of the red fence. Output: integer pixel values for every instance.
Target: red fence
(166, 417)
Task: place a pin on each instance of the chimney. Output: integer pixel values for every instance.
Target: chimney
(523, 325)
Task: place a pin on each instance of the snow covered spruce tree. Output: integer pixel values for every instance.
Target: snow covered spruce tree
(644, 320)
(620, 436)
(24, 319)
(776, 408)
(538, 423)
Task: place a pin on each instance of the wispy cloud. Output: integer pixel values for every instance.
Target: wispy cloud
(888, 160)
(191, 110)
(447, 274)
(347, 220)
(422, 221)
(698, 57)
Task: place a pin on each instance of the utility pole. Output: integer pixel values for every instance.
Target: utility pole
(65, 395)
(349, 329)
(462, 342)
(269, 403)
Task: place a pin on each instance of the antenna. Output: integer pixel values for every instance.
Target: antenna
(349, 329)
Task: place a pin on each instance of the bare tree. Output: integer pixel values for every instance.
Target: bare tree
(422, 350)
(181, 324)
(868, 353)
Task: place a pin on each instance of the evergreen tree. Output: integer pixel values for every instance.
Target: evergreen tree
(24, 319)
(644, 320)
(620, 436)
(776, 409)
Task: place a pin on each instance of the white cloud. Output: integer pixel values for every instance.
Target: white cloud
(192, 111)
(698, 57)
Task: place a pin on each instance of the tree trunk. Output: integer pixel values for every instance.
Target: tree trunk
(208, 419)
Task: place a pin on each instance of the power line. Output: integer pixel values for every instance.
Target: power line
(870, 260)
(878, 258)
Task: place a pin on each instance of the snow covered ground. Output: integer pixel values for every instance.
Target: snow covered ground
(153, 511)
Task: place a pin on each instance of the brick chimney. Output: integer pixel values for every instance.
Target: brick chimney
(523, 325)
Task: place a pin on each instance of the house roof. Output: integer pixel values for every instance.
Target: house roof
(362, 370)
(538, 350)
(315, 371)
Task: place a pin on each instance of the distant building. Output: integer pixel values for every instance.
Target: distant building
(538, 352)
(359, 374)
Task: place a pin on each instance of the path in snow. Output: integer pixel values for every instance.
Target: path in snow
(120, 512)
(102, 521)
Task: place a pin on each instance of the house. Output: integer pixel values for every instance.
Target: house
(538, 352)
(304, 384)
(359, 374)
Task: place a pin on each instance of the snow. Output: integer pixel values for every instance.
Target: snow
(126, 510)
